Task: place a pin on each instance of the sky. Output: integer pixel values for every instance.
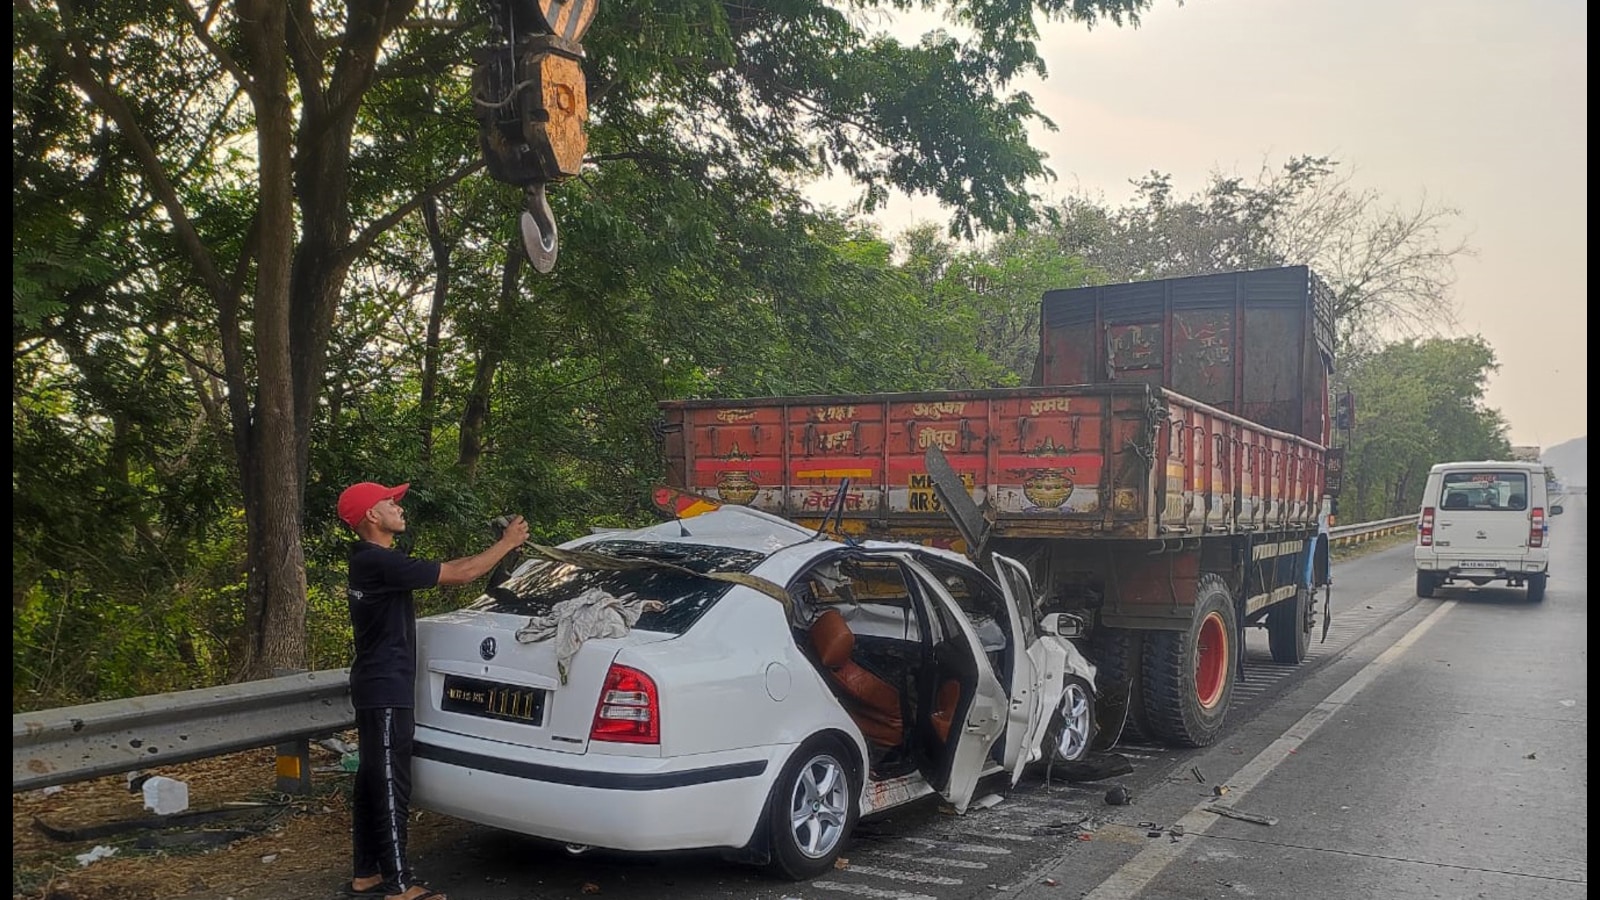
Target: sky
(1477, 105)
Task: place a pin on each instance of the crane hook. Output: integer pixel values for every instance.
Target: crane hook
(539, 229)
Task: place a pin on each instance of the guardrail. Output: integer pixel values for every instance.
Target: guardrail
(1344, 535)
(61, 746)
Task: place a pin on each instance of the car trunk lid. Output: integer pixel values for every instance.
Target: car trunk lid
(478, 679)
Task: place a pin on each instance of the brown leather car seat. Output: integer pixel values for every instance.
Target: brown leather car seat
(944, 708)
(873, 703)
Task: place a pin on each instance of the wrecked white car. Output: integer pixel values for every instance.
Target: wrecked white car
(733, 681)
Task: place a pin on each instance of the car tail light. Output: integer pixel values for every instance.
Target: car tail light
(1425, 528)
(1536, 527)
(629, 710)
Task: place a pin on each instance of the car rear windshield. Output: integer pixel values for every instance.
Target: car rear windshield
(684, 597)
(1484, 491)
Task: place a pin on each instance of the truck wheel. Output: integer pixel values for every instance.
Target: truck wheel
(1188, 675)
(1425, 585)
(1289, 628)
(1536, 587)
(812, 811)
(1116, 653)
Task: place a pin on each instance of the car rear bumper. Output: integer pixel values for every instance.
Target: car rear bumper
(619, 802)
(1484, 567)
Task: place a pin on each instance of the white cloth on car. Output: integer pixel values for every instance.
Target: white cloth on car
(592, 614)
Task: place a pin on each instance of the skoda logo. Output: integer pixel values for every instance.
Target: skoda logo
(486, 649)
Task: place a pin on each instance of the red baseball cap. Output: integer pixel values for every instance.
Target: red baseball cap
(357, 499)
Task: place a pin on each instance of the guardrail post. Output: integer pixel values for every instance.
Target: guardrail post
(294, 758)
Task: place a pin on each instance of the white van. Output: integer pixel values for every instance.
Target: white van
(1483, 522)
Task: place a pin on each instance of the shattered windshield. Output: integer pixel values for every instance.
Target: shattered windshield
(539, 585)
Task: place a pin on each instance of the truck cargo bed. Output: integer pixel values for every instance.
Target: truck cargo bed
(1116, 461)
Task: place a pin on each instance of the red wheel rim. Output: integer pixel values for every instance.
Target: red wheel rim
(1211, 660)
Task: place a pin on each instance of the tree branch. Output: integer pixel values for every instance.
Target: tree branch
(375, 229)
(203, 35)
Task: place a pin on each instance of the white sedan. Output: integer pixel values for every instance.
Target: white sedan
(775, 687)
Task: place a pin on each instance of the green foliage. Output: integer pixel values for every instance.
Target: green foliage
(1418, 403)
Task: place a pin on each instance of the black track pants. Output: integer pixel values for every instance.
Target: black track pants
(383, 796)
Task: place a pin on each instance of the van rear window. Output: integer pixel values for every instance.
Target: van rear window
(1484, 491)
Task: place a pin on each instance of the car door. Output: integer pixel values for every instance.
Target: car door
(1031, 699)
(982, 712)
(1483, 517)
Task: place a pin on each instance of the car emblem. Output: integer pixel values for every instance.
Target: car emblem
(1483, 535)
(486, 649)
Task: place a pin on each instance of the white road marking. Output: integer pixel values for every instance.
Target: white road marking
(1128, 881)
(922, 858)
(861, 890)
(957, 847)
(901, 875)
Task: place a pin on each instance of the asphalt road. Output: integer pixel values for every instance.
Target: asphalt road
(1429, 748)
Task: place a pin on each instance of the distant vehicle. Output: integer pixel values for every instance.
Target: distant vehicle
(1483, 522)
(727, 718)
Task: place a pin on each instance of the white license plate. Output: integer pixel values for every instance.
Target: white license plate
(1479, 564)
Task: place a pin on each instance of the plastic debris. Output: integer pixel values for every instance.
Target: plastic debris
(1219, 790)
(350, 762)
(100, 852)
(841, 863)
(52, 790)
(270, 857)
(1050, 882)
(1119, 796)
(986, 801)
(165, 796)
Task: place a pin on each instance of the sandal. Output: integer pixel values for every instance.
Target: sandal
(376, 892)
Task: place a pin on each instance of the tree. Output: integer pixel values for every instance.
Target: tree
(1422, 402)
(1390, 265)
(256, 154)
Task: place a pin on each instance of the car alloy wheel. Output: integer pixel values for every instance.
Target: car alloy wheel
(1075, 713)
(819, 805)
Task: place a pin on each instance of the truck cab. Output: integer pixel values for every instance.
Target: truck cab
(1484, 522)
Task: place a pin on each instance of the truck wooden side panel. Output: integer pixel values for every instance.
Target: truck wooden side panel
(1127, 460)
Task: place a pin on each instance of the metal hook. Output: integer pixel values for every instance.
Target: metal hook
(539, 229)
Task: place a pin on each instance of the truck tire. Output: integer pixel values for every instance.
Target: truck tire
(1289, 628)
(1536, 585)
(1425, 585)
(1116, 653)
(1189, 674)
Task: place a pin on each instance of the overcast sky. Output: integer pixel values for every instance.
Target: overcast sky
(1479, 105)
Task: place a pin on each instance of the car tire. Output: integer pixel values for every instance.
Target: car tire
(1289, 628)
(812, 811)
(1536, 585)
(1189, 674)
(1071, 731)
(1426, 585)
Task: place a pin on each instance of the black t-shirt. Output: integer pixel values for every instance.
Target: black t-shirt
(384, 617)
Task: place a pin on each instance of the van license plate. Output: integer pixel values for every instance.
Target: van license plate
(1479, 564)
(493, 700)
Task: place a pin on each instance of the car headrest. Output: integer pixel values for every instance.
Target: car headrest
(832, 639)
(1455, 501)
(1517, 501)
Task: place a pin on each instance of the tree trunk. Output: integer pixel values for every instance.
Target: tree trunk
(281, 639)
(430, 350)
(476, 413)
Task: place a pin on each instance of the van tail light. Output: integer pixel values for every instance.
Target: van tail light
(1425, 528)
(1536, 527)
(629, 710)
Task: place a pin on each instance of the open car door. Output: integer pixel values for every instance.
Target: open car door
(979, 717)
(1033, 687)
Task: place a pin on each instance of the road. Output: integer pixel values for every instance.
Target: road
(1428, 749)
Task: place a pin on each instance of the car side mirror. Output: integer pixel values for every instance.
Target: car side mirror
(1064, 625)
(1555, 510)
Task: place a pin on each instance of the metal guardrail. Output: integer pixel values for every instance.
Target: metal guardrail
(61, 746)
(1344, 535)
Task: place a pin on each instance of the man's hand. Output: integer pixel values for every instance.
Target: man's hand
(516, 532)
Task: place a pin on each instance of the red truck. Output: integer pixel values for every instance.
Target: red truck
(1163, 478)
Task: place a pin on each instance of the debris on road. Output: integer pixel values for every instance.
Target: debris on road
(1195, 771)
(100, 852)
(1176, 831)
(590, 887)
(1050, 882)
(1241, 815)
(1219, 790)
(1119, 796)
(841, 863)
(987, 801)
(1094, 766)
(1531, 756)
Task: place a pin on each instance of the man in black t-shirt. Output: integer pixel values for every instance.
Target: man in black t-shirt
(383, 678)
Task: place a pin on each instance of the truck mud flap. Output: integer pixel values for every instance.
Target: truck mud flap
(1111, 715)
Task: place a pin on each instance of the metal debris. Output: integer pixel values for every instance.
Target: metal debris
(1119, 796)
(1241, 815)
